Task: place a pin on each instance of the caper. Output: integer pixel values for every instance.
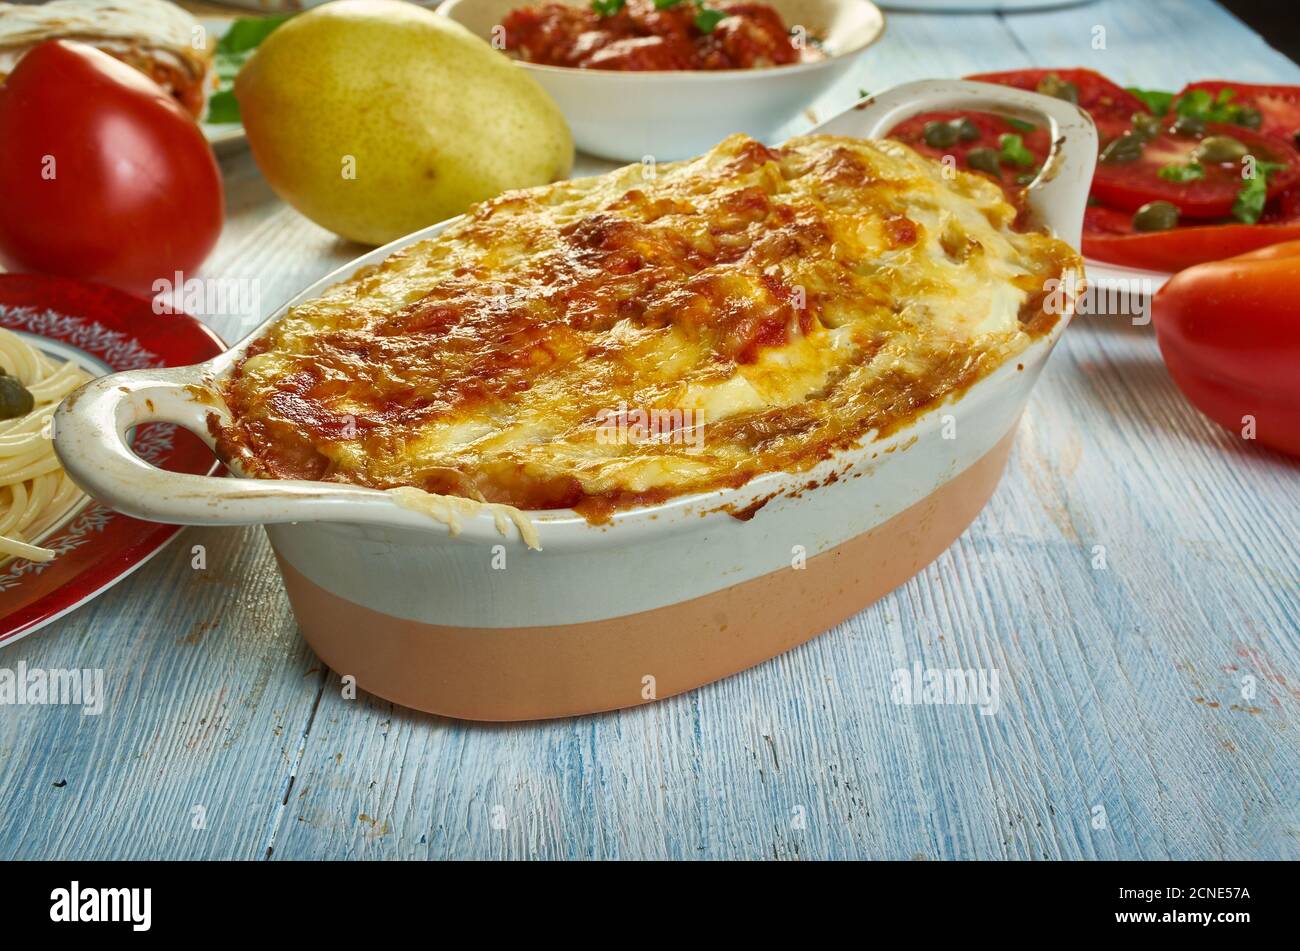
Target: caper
(967, 130)
(939, 135)
(1189, 127)
(1156, 216)
(1217, 149)
(15, 401)
(1058, 88)
(1248, 117)
(1123, 148)
(1146, 127)
(984, 160)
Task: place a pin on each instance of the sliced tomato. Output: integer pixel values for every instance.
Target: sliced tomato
(1130, 185)
(1110, 106)
(1014, 176)
(1108, 235)
(1278, 106)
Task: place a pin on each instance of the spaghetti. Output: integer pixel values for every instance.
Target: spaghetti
(35, 492)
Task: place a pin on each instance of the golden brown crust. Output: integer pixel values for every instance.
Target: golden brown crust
(783, 303)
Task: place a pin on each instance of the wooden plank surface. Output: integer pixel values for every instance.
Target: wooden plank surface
(1127, 725)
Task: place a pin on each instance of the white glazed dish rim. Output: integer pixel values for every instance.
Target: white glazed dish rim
(90, 425)
(449, 8)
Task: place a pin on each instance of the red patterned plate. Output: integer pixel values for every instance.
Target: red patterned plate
(104, 330)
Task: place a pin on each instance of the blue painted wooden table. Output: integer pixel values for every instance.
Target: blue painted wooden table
(1133, 583)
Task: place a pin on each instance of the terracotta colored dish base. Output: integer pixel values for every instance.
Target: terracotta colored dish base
(528, 673)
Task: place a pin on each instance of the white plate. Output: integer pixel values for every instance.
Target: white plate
(1130, 278)
(224, 137)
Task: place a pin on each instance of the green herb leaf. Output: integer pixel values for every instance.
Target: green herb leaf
(246, 34)
(1200, 104)
(1020, 125)
(665, 4)
(706, 19)
(233, 50)
(222, 107)
(1190, 172)
(1197, 103)
(1013, 150)
(607, 8)
(1250, 201)
(1156, 100)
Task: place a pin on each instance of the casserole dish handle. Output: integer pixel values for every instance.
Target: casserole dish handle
(91, 439)
(1057, 197)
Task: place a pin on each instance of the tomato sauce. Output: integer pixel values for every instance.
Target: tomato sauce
(640, 36)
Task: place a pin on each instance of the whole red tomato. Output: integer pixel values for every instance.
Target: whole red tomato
(1230, 335)
(103, 175)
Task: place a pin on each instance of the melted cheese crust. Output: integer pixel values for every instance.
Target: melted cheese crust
(784, 303)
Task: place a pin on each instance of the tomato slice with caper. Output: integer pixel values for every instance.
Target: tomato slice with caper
(1111, 235)
(1207, 169)
(1173, 187)
(1272, 110)
(1111, 106)
(1010, 151)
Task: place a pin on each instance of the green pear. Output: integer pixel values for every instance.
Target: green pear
(375, 118)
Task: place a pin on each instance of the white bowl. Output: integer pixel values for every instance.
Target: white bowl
(676, 114)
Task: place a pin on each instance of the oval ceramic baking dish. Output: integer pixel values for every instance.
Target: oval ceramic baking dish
(658, 600)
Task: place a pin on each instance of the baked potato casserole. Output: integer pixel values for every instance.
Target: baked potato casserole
(616, 341)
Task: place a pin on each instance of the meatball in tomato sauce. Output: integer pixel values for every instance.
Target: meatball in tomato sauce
(640, 36)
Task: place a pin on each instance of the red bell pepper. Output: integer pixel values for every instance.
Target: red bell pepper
(1229, 332)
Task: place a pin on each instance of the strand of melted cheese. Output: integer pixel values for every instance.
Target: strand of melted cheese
(451, 511)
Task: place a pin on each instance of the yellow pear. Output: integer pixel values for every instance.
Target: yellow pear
(375, 118)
